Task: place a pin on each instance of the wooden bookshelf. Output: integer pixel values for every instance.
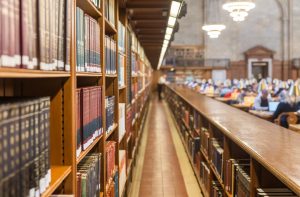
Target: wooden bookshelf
(61, 87)
(88, 7)
(58, 175)
(109, 28)
(114, 128)
(86, 151)
(26, 73)
(268, 147)
(88, 74)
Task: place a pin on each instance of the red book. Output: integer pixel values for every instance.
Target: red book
(85, 116)
(6, 59)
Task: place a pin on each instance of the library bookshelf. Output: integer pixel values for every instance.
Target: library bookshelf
(61, 87)
(214, 134)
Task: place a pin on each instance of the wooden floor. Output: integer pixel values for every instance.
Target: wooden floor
(161, 175)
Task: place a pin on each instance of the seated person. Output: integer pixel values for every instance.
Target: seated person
(224, 90)
(241, 96)
(209, 89)
(261, 102)
(286, 105)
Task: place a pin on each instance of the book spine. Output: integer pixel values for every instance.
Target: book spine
(17, 36)
(25, 23)
(61, 32)
(67, 33)
(87, 43)
(6, 56)
(78, 122)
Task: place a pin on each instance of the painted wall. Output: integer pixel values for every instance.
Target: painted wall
(190, 32)
(261, 27)
(273, 24)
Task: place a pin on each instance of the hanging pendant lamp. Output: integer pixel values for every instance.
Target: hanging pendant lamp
(239, 9)
(213, 25)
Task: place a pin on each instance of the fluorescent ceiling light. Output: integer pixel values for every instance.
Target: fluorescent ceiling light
(169, 30)
(167, 37)
(175, 8)
(171, 21)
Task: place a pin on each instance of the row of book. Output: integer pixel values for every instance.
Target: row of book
(134, 89)
(110, 153)
(267, 192)
(110, 55)
(122, 119)
(110, 113)
(89, 116)
(110, 11)
(205, 175)
(134, 64)
(205, 136)
(216, 189)
(25, 146)
(36, 35)
(121, 37)
(121, 70)
(216, 156)
(89, 176)
(87, 43)
(236, 172)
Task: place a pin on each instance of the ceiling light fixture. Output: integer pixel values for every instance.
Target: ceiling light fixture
(239, 9)
(214, 31)
(171, 21)
(169, 30)
(213, 25)
(174, 13)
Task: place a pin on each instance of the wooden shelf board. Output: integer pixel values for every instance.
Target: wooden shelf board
(129, 167)
(58, 175)
(112, 131)
(88, 74)
(88, 7)
(109, 28)
(122, 87)
(111, 75)
(86, 151)
(204, 155)
(26, 73)
(123, 137)
(128, 138)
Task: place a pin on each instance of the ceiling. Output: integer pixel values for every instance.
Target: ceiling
(148, 19)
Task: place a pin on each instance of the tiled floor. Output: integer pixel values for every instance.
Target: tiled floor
(161, 174)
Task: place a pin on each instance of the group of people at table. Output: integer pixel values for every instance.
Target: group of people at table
(274, 97)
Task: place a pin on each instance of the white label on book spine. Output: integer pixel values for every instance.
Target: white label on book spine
(8, 61)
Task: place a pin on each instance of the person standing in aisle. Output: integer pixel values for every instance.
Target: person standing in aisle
(161, 82)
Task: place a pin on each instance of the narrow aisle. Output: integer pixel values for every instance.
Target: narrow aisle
(161, 174)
